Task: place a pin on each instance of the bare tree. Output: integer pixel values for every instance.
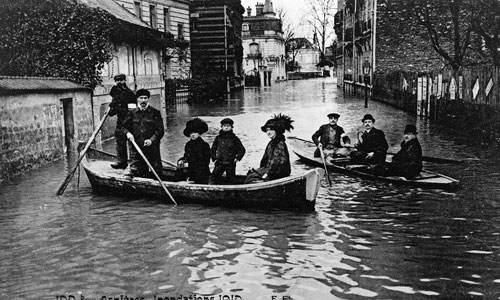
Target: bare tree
(321, 19)
(288, 32)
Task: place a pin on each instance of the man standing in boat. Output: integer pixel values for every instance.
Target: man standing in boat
(122, 98)
(331, 138)
(371, 147)
(144, 125)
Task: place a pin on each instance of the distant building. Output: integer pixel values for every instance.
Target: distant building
(42, 118)
(305, 56)
(216, 46)
(263, 44)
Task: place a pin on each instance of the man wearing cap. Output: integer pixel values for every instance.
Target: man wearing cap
(331, 138)
(408, 161)
(144, 125)
(226, 151)
(372, 146)
(122, 96)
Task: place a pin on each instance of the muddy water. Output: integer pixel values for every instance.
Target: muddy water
(364, 239)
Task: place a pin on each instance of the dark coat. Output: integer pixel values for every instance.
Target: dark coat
(197, 154)
(408, 161)
(226, 147)
(276, 159)
(121, 97)
(143, 125)
(373, 141)
(322, 135)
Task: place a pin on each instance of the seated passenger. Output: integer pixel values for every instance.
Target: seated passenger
(275, 162)
(408, 161)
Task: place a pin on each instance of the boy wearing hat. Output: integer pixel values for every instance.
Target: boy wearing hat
(144, 125)
(372, 146)
(331, 138)
(122, 96)
(197, 151)
(408, 161)
(226, 151)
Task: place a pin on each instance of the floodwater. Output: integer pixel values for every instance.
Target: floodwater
(364, 240)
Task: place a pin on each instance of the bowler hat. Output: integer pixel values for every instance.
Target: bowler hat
(120, 77)
(195, 125)
(410, 128)
(333, 115)
(227, 121)
(368, 117)
(142, 92)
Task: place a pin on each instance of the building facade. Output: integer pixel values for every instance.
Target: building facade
(355, 27)
(169, 16)
(216, 45)
(305, 56)
(263, 44)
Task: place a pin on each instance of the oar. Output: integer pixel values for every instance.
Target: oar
(82, 154)
(169, 163)
(152, 170)
(324, 165)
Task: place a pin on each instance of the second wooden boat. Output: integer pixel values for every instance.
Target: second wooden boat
(428, 179)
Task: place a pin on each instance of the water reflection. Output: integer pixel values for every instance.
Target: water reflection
(364, 240)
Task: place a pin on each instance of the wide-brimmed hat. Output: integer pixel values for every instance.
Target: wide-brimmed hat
(142, 92)
(410, 128)
(279, 123)
(195, 125)
(227, 121)
(368, 117)
(120, 77)
(333, 115)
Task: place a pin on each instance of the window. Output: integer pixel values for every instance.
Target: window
(180, 31)
(245, 27)
(166, 20)
(137, 9)
(152, 17)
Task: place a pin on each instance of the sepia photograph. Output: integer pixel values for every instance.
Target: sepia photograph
(249, 149)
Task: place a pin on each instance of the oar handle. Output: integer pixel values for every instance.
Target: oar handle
(324, 165)
(152, 169)
(82, 154)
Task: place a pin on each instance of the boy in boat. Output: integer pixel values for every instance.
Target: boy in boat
(408, 161)
(226, 151)
(371, 147)
(197, 151)
(331, 138)
(144, 125)
(275, 162)
(122, 98)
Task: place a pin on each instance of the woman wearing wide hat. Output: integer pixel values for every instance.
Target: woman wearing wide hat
(275, 162)
(197, 151)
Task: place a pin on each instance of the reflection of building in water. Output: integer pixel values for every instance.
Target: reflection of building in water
(263, 46)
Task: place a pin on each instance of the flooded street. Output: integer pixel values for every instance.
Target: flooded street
(365, 240)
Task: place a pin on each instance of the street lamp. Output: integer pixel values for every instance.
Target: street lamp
(366, 71)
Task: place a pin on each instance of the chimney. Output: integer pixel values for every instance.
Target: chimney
(249, 11)
(268, 8)
(259, 9)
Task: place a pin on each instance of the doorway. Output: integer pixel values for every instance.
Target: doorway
(69, 125)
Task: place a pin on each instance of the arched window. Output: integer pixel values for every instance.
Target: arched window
(254, 49)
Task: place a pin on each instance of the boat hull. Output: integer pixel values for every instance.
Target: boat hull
(294, 191)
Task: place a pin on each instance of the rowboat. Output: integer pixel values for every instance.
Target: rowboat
(427, 179)
(296, 191)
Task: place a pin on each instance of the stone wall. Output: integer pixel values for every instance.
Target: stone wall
(32, 128)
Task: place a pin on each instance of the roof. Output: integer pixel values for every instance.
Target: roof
(116, 10)
(15, 84)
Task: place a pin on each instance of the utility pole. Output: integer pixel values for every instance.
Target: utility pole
(374, 44)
